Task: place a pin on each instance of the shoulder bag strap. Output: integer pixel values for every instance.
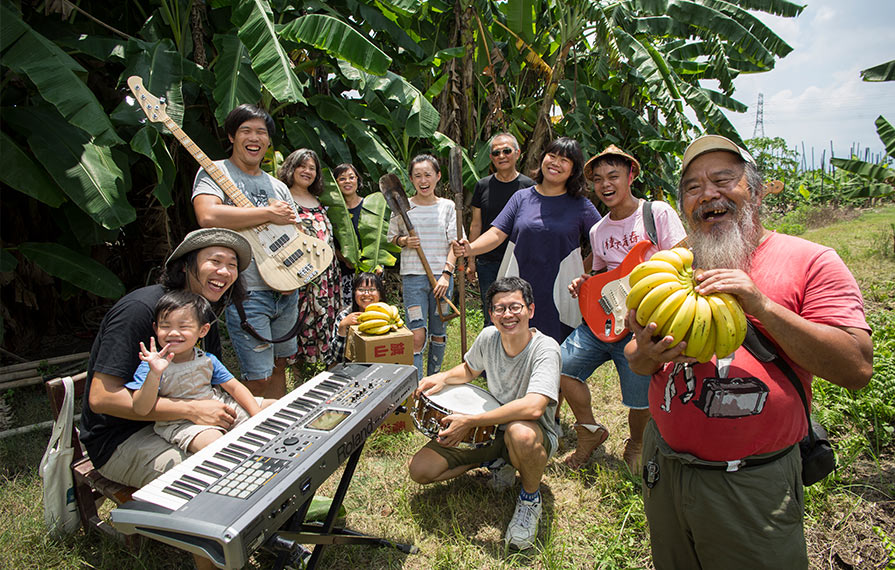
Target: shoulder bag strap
(764, 350)
(649, 223)
(244, 323)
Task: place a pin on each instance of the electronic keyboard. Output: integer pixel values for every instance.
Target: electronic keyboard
(227, 499)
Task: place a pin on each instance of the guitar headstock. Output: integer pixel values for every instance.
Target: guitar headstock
(773, 187)
(151, 105)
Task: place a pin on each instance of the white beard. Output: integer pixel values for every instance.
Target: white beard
(729, 245)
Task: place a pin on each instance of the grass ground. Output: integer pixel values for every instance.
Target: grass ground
(592, 519)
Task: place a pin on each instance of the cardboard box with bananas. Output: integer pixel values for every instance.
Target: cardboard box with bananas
(394, 345)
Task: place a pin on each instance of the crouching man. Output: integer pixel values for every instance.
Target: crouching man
(522, 366)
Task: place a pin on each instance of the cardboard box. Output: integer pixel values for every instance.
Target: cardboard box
(392, 348)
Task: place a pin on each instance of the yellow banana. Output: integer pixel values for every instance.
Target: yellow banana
(739, 316)
(678, 326)
(394, 311)
(370, 316)
(700, 332)
(663, 313)
(399, 322)
(669, 256)
(709, 349)
(645, 285)
(654, 298)
(381, 307)
(648, 268)
(686, 256)
(367, 326)
(724, 325)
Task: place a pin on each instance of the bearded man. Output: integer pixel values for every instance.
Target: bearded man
(722, 483)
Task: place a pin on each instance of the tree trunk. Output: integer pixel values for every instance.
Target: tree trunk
(543, 126)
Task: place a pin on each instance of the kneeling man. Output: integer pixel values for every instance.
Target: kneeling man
(522, 366)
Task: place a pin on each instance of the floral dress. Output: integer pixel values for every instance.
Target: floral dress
(319, 301)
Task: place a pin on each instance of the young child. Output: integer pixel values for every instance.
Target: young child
(435, 221)
(366, 288)
(181, 370)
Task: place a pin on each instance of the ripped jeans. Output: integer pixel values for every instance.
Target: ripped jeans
(272, 314)
(422, 313)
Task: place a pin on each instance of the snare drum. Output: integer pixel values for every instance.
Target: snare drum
(428, 411)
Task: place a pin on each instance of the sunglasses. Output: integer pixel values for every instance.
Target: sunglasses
(502, 151)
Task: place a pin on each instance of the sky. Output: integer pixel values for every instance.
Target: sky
(815, 94)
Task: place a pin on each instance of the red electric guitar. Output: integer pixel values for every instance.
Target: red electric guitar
(602, 297)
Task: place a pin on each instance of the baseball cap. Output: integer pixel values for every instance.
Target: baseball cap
(209, 237)
(710, 143)
(611, 149)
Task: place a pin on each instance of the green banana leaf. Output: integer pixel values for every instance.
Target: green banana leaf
(86, 172)
(339, 40)
(378, 21)
(160, 66)
(54, 73)
(886, 134)
(373, 227)
(19, 171)
(235, 81)
(76, 268)
(877, 172)
(254, 19)
(8, 261)
(320, 507)
(149, 143)
(872, 190)
(881, 72)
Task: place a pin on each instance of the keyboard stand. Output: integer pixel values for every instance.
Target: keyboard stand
(324, 534)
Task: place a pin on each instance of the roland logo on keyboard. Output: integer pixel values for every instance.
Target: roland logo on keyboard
(347, 447)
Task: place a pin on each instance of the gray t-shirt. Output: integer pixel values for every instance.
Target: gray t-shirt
(258, 189)
(534, 370)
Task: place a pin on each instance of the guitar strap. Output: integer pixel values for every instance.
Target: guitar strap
(649, 223)
(244, 323)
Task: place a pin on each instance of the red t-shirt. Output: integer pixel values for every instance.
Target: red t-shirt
(753, 408)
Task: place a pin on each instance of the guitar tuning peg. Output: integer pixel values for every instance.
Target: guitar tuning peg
(163, 100)
(143, 121)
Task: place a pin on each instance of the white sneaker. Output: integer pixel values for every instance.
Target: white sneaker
(523, 528)
(503, 477)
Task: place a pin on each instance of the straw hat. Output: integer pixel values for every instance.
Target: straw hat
(208, 237)
(611, 149)
(711, 143)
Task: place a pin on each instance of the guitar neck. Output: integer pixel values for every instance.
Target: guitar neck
(221, 179)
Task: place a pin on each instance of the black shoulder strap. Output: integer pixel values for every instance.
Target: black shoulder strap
(764, 350)
(244, 323)
(649, 223)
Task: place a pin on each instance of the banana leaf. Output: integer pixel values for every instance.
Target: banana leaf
(886, 134)
(339, 40)
(877, 172)
(881, 72)
(149, 143)
(69, 265)
(18, 171)
(235, 81)
(54, 73)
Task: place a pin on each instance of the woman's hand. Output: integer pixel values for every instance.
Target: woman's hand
(441, 286)
(350, 319)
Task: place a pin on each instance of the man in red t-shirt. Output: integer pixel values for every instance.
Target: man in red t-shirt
(706, 510)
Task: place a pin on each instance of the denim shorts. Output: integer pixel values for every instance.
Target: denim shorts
(420, 306)
(583, 352)
(272, 314)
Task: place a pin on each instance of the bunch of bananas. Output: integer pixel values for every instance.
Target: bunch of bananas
(662, 292)
(379, 318)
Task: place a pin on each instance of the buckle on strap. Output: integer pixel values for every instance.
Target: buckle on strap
(735, 465)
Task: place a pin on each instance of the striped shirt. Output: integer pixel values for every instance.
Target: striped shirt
(436, 226)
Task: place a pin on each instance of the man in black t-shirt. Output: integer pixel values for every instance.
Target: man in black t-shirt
(490, 196)
(122, 445)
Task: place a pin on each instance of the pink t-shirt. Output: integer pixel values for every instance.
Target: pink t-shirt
(611, 240)
(750, 407)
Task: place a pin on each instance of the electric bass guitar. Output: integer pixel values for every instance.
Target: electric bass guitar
(601, 298)
(286, 257)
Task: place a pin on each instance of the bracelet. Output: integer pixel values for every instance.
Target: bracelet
(448, 273)
(449, 266)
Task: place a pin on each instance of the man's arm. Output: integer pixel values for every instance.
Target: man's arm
(459, 374)
(211, 212)
(109, 396)
(842, 355)
(475, 230)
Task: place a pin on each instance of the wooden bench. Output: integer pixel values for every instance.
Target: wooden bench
(91, 488)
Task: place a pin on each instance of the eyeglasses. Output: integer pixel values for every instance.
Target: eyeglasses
(514, 309)
(367, 291)
(502, 151)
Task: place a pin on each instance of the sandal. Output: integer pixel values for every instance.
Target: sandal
(588, 441)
